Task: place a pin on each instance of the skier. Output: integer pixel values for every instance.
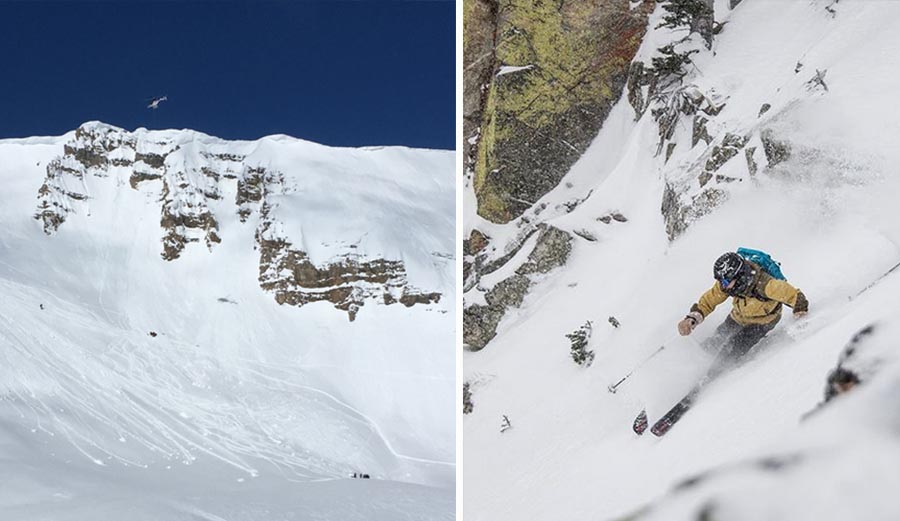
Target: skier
(757, 297)
(757, 302)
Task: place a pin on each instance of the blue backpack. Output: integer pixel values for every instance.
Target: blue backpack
(764, 260)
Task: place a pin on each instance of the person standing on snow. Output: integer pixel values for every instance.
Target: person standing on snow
(757, 300)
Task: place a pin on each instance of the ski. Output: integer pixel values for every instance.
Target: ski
(640, 423)
(674, 414)
(669, 419)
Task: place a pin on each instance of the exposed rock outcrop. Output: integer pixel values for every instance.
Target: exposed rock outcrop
(249, 191)
(93, 150)
(347, 282)
(557, 69)
(188, 185)
(185, 218)
(295, 280)
(551, 251)
(468, 405)
(479, 38)
(730, 146)
(480, 322)
(700, 131)
(777, 151)
(97, 147)
(63, 186)
(680, 209)
(684, 201)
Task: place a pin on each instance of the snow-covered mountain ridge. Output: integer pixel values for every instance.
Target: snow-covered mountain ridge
(779, 136)
(168, 336)
(190, 173)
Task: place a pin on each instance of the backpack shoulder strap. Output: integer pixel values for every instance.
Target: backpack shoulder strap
(757, 287)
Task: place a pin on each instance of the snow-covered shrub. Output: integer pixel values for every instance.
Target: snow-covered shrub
(468, 406)
(580, 339)
(696, 15)
(670, 66)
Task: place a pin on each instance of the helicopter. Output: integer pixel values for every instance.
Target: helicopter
(154, 103)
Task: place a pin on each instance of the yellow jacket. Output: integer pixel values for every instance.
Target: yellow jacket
(759, 303)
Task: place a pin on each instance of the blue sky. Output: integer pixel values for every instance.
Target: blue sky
(341, 73)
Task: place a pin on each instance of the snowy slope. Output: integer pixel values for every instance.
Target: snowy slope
(180, 389)
(828, 214)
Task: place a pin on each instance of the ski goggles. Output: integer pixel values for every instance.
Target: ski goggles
(725, 282)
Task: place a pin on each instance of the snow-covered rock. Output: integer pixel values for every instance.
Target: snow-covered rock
(812, 180)
(169, 347)
(195, 171)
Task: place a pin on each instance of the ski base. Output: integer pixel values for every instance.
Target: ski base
(640, 423)
(669, 419)
(675, 413)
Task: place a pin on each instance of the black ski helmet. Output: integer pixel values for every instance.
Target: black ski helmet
(729, 267)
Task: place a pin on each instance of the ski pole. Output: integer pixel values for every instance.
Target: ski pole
(876, 281)
(612, 388)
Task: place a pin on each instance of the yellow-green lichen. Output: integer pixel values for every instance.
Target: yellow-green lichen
(537, 120)
(469, 7)
(490, 202)
(562, 45)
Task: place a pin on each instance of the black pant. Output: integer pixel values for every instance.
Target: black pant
(732, 341)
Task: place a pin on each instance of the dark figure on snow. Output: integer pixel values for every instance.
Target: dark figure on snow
(757, 298)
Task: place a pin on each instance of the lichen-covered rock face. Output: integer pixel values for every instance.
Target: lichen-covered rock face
(552, 250)
(472, 249)
(480, 21)
(188, 187)
(557, 68)
(480, 322)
